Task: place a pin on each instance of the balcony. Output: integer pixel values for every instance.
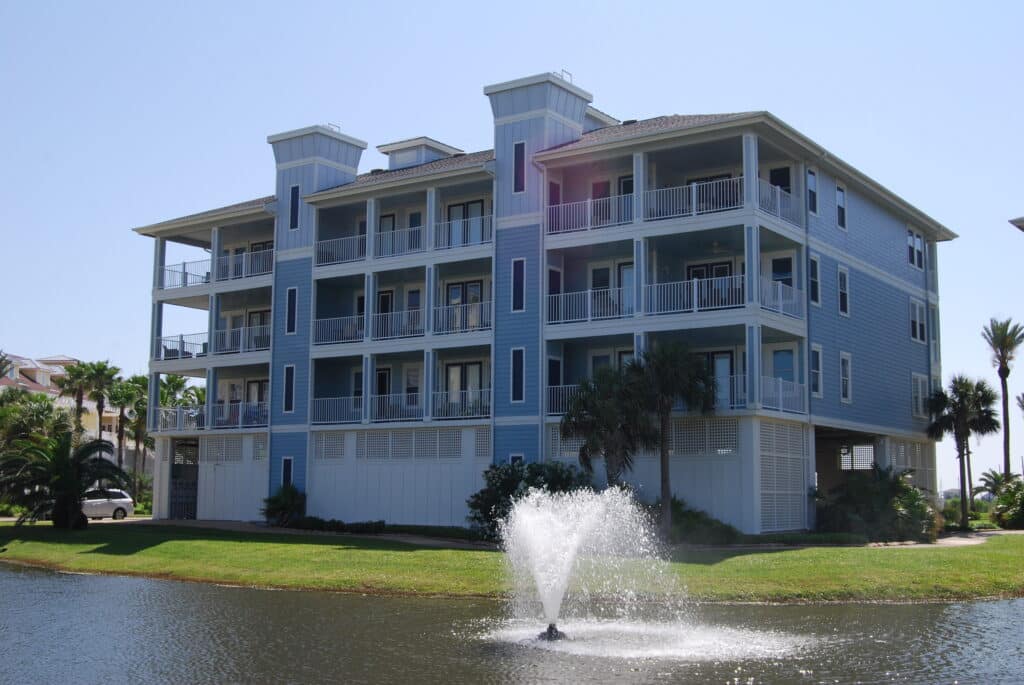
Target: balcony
(399, 242)
(462, 404)
(337, 410)
(341, 329)
(397, 407)
(559, 397)
(463, 232)
(185, 275)
(590, 305)
(231, 267)
(783, 395)
(695, 295)
(187, 418)
(590, 214)
(244, 339)
(777, 202)
(340, 250)
(694, 199)
(462, 318)
(181, 347)
(241, 415)
(402, 324)
(778, 297)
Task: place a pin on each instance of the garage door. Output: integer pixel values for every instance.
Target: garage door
(233, 477)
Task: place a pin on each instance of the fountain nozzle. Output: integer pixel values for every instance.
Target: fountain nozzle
(552, 633)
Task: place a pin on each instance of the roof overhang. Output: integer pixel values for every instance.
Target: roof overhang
(536, 79)
(322, 130)
(425, 141)
(236, 215)
(606, 119)
(333, 196)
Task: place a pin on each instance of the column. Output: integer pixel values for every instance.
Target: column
(798, 185)
(428, 384)
(639, 275)
(211, 398)
(753, 357)
(367, 373)
(372, 212)
(211, 325)
(159, 260)
(428, 300)
(752, 259)
(431, 218)
(154, 401)
(639, 184)
(215, 248)
(156, 329)
(369, 305)
(750, 165)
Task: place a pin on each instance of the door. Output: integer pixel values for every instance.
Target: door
(721, 367)
(386, 235)
(413, 320)
(599, 361)
(554, 371)
(381, 401)
(456, 226)
(255, 412)
(554, 288)
(238, 263)
(474, 231)
(554, 199)
(783, 364)
(183, 488)
(600, 297)
(782, 269)
(626, 287)
(258, 333)
(780, 177)
(600, 192)
(624, 205)
(385, 305)
(623, 357)
(383, 381)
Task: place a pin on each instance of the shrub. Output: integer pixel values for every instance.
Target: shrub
(1008, 511)
(695, 527)
(881, 505)
(504, 483)
(285, 506)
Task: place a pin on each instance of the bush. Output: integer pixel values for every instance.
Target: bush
(8, 509)
(1008, 511)
(335, 526)
(695, 527)
(285, 506)
(880, 505)
(504, 483)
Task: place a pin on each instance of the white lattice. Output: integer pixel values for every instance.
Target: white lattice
(919, 457)
(402, 444)
(330, 445)
(723, 435)
(689, 436)
(260, 451)
(482, 442)
(220, 450)
(378, 445)
(426, 443)
(361, 445)
(783, 476)
(449, 443)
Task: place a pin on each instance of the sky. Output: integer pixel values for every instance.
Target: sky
(117, 115)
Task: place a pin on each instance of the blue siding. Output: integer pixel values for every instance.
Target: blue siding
(510, 440)
(517, 329)
(294, 348)
(288, 445)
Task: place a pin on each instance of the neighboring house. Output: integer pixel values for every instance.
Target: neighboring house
(379, 339)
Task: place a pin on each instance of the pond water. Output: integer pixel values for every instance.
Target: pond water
(95, 629)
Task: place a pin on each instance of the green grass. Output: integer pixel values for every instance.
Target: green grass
(370, 565)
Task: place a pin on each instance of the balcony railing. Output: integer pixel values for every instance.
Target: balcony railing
(588, 214)
(698, 294)
(731, 393)
(777, 202)
(399, 241)
(783, 395)
(403, 324)
(462, 318)
(185, 275)
(590, 305)
(181, 346)
(244, 339)
(694, 199)
(337, 409)
(559, 397)
(240, 414)
(340, 250)
(476, 230)
(785, 299)
(399, 407)
(462, 404)
(244, 265)
(339, 330)
(189, 418)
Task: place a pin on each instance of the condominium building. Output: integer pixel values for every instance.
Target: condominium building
(379, 339)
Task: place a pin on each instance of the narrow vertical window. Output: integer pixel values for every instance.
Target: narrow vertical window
(841, 206)
(816, 371)
(919, 395)
(845, 377)
(291, 315)
(910, 247)
(918, 325)
(518, 374)
(812, 191)
(518, 167)
(286, 471)
(289, 389)
(293, 208)
(518, 285)
(919, 250)
(844, 291)
(814, 280)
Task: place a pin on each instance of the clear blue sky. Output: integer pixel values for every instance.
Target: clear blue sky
(121, 114)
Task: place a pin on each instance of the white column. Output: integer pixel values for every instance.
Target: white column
(154, 400)
(752, 259)
(156, 329)
(372, 213)
(753, 356)
(639, 184)
(799, 186)
(431, 218)
(159, 260)
(215, 248)
(639, 275)
(369, 305)
(211, 324)
(211, 396)
(750, 165)
(428, 300)
(367, 374)
(428, 384)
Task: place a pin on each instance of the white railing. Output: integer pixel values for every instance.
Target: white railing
(337, 409)
(403, 324)
(399, 407)
(460, 318)
(779, 297)
(591, 305)
(244, 339)
(559, 397)
(244, 265)
(339, 250)
(339, 330)
(188, 418)
(734, 396)
(694, 199)
(477, 230)
(783, 395)
(697, 294)
(587, 214)
(399, 241)
(777, 202)
(185, 274)
(462, 404)
(181, 346)
(240, 414)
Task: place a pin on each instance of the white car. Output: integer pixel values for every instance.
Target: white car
(116, 504)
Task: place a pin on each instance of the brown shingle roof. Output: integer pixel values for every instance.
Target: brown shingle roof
(438, 166)
(647, 127)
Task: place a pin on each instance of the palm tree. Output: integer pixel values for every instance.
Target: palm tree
(138, 424)
(123, 395)
(670, 374)
(607, 415)
(75, 384)
(993, 482)
(172, 388)
(47, 475)
(1004, 337)
(964, 411)
(23, 414)
(5, 364)
(102, 377)
(194, 395)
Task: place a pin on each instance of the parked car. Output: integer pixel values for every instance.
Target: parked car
(116, 504)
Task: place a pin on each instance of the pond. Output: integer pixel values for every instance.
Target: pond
(94, 629)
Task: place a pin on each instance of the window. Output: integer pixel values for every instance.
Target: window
(289, 389)
(518, 167)
(841, 206)
(919, 395)
(518, 374)
(814, 280)
(518, 285)
(290, 314)
(415, 219)
(844, 291)
(845, 377)
(915, 250)
(286, 471)
(918, 328)
(515, 459)
(812, 191)
(293, 209)
(412, 387)
(856, 457)
(816, 389)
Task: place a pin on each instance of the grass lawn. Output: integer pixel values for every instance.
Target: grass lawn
(381, 566)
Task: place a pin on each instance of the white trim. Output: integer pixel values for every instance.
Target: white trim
(322, 130)
(609, 120)
(298, 209)
(835, 253)
(511, 375)
(287, 299)
(290, 460)
(534, 113)
(292, 254)
(914, 379)
(849, 384)
(888, 431)
(815, 347)
(808, 172)
(845, 205)
(817, 267)
(284, 388)
(317, 160)
(921, 316)
(518, 220)
(546, 77)
(425, 141)
(514, 144)
(515, 420)
(842, 270)
(512, 283)
(918, 236)
(513, 455)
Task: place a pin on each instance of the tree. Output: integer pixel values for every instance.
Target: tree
(101, 378)
(607, 415)
(1003, 338)
(138, 423)
(74, 384)
(668, 374)
(965, 410)
(123, 395)
(5, 364)
(172, 390)
(51, 475)
(24, 413)
(195, 395)
(993, 482)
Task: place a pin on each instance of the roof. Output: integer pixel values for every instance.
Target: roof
(548, 77)
(1019, 223)
(239, 208)
(644, 127)
(26, 383)
(322, 130)
(426, 141)
(603, 117)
